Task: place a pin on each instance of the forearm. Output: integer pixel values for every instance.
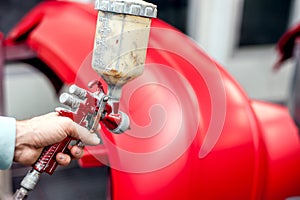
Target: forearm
(7, 141)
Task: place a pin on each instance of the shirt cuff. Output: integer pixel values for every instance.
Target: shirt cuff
(7, 141)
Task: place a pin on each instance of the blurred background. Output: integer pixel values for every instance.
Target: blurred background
(240, 34)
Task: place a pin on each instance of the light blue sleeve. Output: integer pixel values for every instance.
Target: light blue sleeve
(7, 141)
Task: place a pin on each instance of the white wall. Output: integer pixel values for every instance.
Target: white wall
(295, 13)
(27, 92)
(214, 24)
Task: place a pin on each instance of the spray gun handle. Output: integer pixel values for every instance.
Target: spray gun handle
(46, 162)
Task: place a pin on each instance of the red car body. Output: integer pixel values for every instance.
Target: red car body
(255, 156)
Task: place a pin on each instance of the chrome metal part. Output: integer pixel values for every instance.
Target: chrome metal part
(28, 183)
(130, 7)
(97, 118)
(124, 124)
(69, 100)
(20, 194)
(79, 92)
(31, 179)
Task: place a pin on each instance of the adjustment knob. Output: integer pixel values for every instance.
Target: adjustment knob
(79, 92)
(69, 100)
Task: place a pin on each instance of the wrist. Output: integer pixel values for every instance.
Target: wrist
(24, 138)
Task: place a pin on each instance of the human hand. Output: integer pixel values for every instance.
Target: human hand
(34, 134)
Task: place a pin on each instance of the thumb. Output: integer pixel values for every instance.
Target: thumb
(86, 136)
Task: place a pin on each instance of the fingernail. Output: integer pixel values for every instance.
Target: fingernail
(96, 139)
(78, 152)
(61, 157)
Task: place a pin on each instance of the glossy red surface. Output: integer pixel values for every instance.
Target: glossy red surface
(60, 32)
(195, 133)
(282, 146)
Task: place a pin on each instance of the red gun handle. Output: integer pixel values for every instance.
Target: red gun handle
(47, 161)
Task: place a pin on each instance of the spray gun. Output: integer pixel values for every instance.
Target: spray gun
(120, 46)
